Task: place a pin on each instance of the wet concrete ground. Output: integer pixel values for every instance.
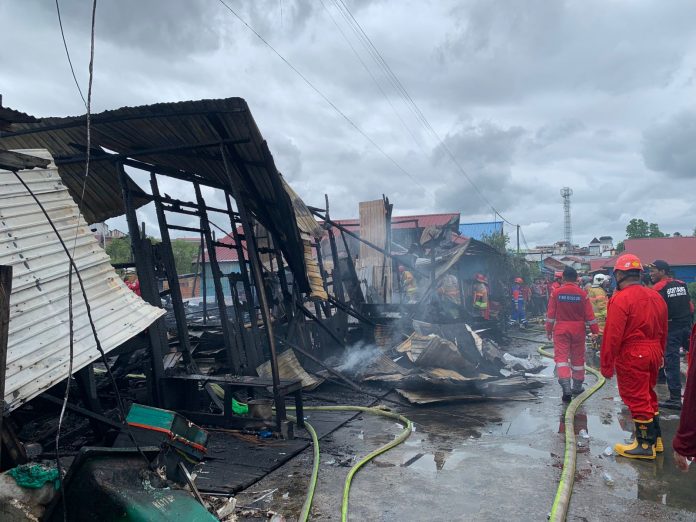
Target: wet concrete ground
(486, 461)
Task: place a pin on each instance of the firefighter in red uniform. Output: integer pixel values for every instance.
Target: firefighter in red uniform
(568, 313)
(633, 345)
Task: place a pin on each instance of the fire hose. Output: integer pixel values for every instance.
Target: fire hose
(405, 433)
(559, 510)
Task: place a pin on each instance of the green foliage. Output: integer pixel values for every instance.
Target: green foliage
(185, 253)
(497, 240)
(620, 247)
(692, 292)
(639, 228)
(119, 250)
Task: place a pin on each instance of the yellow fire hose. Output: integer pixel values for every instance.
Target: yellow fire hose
(408, 427)
(559, 510)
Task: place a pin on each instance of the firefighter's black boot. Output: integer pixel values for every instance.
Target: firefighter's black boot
(567, 394)
(643, 446)
(674, 402)
(577, 387)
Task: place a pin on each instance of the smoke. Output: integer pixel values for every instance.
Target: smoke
(357, 357)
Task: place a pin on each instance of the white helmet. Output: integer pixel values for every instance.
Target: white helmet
(599, 279)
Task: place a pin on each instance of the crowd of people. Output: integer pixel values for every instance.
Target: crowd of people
(644, 324)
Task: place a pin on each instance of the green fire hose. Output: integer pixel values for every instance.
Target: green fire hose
(559, 510)
(405, 433)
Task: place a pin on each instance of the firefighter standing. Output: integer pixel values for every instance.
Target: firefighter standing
(568, 313)
(480, 288)
(633, 345)
(518, 315)
(408, 284)
(676, 295)
(599, 299)
(132, 281)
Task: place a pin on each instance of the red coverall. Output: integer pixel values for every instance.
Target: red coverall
(568, 313)
(634, 342)
(684, 441)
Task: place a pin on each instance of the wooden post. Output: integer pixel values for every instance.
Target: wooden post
(142, 256)
(5, 291)
(172, 276)
(255, 264)
(234, 357)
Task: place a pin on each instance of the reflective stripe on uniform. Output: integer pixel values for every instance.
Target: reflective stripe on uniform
(563, 364)
(550, 320)
(577, 368)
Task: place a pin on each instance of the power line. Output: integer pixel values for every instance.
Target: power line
(67, 53)
(411, 103)
(320, 93)
(374, 79)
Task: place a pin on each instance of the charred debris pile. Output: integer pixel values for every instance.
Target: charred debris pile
(289, 298)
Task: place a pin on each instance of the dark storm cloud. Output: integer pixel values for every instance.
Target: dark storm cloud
(669, 146)
(530, 96)
(174, 28)
(509, 50)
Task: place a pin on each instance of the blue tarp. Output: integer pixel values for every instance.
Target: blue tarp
(478, 230)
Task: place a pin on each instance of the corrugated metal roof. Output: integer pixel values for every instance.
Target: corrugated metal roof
(38, 347)
(478, 230)
(677, 251)
(406, 222)
(159, 127)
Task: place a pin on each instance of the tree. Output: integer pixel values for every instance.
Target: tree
(498, 240)
(655, 231)
(185, 254)
(637, 228)
(119, 250)
(620, 247)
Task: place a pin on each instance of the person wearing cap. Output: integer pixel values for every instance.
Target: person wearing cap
(568, 313)
(679, 312)
(633, 346)
(132, 281)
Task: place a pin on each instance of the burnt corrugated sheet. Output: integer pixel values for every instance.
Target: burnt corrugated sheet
(38, 347)
(132, 129)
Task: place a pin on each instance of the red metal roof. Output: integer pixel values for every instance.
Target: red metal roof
(225, 254)
(601, 263)
(677, 251)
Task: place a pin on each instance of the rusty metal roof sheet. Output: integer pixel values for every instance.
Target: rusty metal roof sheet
(38, 348)
(160, 128)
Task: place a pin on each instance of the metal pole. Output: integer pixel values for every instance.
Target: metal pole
(5, 291)
(518, 239)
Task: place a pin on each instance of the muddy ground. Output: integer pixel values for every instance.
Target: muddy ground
(486, 461)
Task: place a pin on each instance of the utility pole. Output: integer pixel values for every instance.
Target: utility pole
(518, 239)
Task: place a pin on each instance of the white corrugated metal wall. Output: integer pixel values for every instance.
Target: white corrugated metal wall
(38, 349)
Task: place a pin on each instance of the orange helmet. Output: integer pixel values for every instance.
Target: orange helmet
(481, 278)
(628, 262)
(519, 280)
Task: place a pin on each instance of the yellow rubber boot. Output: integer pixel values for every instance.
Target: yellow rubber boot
(659, 444)
(643, 446)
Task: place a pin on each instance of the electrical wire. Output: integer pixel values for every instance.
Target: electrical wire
(323, 96)
(67, 53)
(374, 78)
(408, 100)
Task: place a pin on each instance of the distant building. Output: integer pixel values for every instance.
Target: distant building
(104, 234)
(606, 244)
(481, 230)
(679, 252)
(595, 247)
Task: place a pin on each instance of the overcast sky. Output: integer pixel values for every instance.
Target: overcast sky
(529, 96)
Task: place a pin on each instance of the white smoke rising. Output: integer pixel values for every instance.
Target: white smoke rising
(358, 357)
